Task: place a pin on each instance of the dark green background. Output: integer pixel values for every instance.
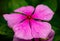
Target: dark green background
(7, 6)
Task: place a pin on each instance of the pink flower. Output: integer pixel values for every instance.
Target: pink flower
(50, 38)
(31, 23)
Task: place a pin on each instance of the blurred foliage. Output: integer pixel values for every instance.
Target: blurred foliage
(7, 6)
(55, 22)
(51, 3)
(57, 34)
(5, 38)
(34, 2)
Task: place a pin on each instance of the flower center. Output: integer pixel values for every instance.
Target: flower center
(29, 17)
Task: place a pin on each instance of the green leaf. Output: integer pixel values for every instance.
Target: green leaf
(4, 29)
(55, 20)
(14, 4)
(51, 3)
(7, 6)
(57, 34)
(34, 2)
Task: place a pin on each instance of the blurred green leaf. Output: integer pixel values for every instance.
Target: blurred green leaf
(56, 20)
(4, 29)
(7, 6)
(57, 34)
(51, 3)
(34, 2)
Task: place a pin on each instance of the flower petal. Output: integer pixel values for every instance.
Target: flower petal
(17, 39)
(26, 10)
(50, 36)
(23, 30)
(43, 12)
(40, 29)
(13, 18)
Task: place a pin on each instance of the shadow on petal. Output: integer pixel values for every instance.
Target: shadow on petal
(50, 36)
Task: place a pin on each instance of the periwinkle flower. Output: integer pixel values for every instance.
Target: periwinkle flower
(50, 38)
(31, 23)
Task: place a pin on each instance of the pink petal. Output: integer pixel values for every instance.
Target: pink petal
(26, 10)
(40, 29)
(13, 18)
(17, 39)
(43, 12)
(23, 30)
(50, 36)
